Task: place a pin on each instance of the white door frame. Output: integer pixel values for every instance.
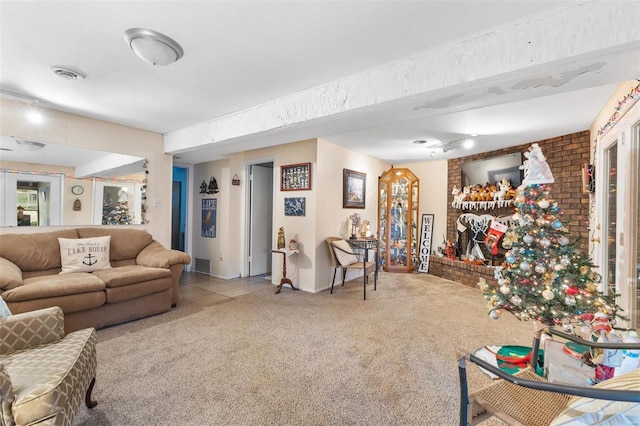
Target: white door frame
(247, 210)
(10, 182)
(625, 134)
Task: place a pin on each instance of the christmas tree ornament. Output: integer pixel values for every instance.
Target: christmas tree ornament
(516, 300)
(527, 239)
(505, 289)
(510, 258)
(494, 315)
(543, 204)
(556, 224)
(525, 266)
(544, 243)
(539, 268)
(548, 294)
(570, 300)
(563, 241)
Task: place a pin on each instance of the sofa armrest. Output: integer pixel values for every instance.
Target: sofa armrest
(157, 256)
(30, 329)
(10, 274)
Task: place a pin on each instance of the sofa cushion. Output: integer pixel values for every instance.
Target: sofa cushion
(46, 379)
(344, 259)
(54, 285)
(34, 252)
(10, 274)
(125, 243)
(30, 329)
(131, 274)
(84, 254)
(133, 291)
(69, 304)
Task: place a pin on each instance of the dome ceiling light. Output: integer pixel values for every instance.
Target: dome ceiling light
(153, 47)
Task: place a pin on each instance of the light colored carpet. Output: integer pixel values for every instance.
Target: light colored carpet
(300, 359)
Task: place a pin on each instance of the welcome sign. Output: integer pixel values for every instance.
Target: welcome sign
(425, 242)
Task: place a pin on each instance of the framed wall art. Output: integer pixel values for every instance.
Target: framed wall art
(209, 213)
(295, 177)
(354, 185)
(294, 206)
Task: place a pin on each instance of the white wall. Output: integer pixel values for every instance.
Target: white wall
(74, 130)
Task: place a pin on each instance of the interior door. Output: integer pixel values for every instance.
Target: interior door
(176, 217)
(261, 217)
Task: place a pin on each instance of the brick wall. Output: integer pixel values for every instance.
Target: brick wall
(455, 270)
(565, 155)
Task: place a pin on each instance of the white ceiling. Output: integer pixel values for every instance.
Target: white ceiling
(239, 54)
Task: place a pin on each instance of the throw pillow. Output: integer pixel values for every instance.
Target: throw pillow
(344, 259)
(4, 309)
(84, 254)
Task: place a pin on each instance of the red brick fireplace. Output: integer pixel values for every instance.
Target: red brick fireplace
(565, 155)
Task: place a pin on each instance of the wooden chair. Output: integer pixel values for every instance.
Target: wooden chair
(525, 398)
(366, 267)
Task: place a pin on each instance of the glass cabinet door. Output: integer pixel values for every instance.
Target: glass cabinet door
(399, 223)
(398, 218)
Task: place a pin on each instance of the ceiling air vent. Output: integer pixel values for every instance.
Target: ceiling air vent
(68, 73)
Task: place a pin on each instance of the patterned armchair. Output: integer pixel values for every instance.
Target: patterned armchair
(44, 374)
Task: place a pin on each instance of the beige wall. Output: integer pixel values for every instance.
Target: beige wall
(433, 196)
(331, 217)
(74, 130)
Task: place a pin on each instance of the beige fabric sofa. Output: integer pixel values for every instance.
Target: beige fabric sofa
(44, 374)
(142, 281)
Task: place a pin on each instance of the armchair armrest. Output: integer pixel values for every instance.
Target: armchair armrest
(30, 329)
(157, 256)
(10, 274)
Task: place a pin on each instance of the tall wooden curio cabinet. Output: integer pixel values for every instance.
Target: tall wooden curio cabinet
(398, 220)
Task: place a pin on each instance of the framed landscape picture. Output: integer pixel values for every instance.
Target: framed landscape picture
(354, 185)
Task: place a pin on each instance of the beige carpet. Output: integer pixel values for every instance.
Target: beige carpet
(300, 359)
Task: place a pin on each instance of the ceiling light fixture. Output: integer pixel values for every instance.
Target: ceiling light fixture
(35, 116)
(29, 145)
(153, 47)
(67, 73)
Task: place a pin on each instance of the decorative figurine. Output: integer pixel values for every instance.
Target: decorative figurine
(293, 245)
(281, 243)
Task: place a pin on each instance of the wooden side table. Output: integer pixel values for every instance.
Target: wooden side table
(284, 280)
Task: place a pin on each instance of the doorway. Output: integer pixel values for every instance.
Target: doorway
(179, 208)
(31, 200)
(260, 226)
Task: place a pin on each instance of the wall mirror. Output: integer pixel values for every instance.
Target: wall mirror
(493, 170)
(48, 184)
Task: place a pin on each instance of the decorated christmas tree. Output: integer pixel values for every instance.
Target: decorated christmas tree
(545, 276)
(117, 214)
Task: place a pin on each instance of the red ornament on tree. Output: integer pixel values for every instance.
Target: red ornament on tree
(571, 290)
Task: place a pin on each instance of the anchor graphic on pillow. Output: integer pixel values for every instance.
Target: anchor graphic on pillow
(91, 259)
